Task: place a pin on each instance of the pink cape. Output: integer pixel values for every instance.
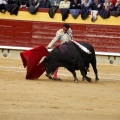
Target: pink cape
(31, 58)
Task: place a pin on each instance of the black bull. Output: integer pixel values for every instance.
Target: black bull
(73, 58)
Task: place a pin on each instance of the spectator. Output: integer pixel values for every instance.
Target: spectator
(64, 4)
(116, 12)
(24, 3)
(33, 6)
(3, 2)
(85, 6)
(17, 2)
(108, 5)
(44, 4)
(95, 6)
(34, 3)
(117, 5)
(113, 2)
(64, 9)
(75, 4)
(3, 6)
(20, 3)
(75, 7)
(85, 3)
(13, 6)
(55, 3)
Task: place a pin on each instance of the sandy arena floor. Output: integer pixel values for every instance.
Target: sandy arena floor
(44, 99)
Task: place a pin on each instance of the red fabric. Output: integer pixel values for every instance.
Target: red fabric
(31, 58)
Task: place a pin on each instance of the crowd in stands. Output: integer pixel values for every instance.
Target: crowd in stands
(75, 7)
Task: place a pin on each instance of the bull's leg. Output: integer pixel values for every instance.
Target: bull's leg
(95, 69)
(74, 75)
(87, 70)
(49, 76)
(85, 77)
(83, 71)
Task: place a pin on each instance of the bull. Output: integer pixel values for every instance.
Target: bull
(73, 58)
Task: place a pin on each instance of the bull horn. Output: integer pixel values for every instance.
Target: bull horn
(42, 59)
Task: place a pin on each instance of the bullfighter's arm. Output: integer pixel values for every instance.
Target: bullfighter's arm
(57, 37)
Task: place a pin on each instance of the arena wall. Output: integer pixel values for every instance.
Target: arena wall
(26, 30)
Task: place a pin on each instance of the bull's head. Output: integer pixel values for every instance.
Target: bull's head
(50, 66)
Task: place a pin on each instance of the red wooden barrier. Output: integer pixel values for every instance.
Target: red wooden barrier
(104, 38)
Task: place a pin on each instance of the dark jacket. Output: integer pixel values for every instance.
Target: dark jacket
(52, 11)
(64, 13)
(13, 6)
(76, 5)
(94, 5)
(117, 7)
(44, 4)
(33, 3)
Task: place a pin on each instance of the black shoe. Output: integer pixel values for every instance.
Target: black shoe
(58, 79)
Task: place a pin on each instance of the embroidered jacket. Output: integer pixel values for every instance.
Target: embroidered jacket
(63, 37)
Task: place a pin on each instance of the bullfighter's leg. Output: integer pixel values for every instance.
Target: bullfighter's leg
(55, 75)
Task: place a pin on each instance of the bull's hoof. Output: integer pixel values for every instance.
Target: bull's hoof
(76, 81)
(83, 78)
(97, 79)
(88, 79)
(48, 76)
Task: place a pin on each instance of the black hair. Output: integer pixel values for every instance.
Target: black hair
(66, 25)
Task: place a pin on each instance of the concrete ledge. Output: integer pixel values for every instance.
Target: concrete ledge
(28, 48)
(107, 53)
(102, 57)
(15, 48)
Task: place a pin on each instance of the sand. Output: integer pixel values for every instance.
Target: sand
(45, 99)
